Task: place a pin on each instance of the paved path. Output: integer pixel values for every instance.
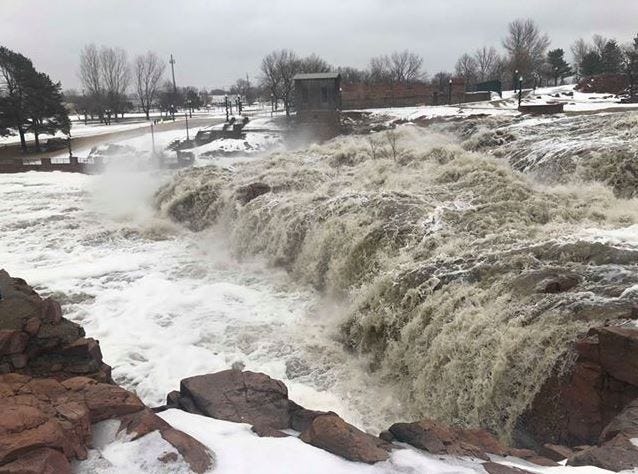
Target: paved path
(14, 150)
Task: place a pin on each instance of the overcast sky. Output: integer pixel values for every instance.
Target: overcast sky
(216, 41)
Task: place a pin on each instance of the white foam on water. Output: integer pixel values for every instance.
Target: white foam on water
(165, 303)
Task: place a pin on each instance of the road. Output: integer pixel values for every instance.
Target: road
(13, 150)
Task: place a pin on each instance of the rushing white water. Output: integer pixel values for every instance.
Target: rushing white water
(166, 303)
(451, 261)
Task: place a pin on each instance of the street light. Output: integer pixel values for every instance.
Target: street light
(226, 105)
(520, 90)
(449, 99)
(188, 139)
(555, 76)
(514, 80)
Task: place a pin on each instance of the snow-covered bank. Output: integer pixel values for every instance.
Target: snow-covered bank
(239, 450)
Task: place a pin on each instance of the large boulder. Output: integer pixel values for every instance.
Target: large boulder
(617, 454)
(52, 390)
(331, 433)
(47, 413)
(618, 348)
(39, 461)
(36, 340)
(572, 408)
(437, 438)
(243, 397)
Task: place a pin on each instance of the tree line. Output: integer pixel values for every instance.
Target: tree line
(30, 102)
(526, 53)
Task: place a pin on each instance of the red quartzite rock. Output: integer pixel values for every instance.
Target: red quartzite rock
(243, 397)
(619, 353)
(331, 433)
(39, 461)
(437, 438)
(617, 454)
(494, 468)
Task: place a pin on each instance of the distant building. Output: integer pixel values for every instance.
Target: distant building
(317, 96)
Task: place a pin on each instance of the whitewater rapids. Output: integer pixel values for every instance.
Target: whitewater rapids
(166, 303)
(461, 276)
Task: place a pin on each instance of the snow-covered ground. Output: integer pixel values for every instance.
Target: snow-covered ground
(507, 105)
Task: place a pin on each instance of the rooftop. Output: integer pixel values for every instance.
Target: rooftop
(316, 75)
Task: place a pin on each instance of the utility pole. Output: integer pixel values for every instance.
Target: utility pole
(172, 63)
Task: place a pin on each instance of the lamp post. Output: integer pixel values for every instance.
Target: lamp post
(520, 90)
(449, 92)
(188, 139)
(272, 104)
(190, 109)
(555, 76)
(514, 80)
(173, 112)
(153, 138)
(68, 142)
(226, 105)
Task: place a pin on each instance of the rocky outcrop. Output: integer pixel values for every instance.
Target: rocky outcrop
(47, 408)
(573, 408)
(494, 468)
(242, 397)
(331, 433)
(438, 438)
(36, 340)
(617, 454)
(254, 398)
(615, 450)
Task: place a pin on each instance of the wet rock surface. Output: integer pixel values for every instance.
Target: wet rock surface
(35, 339)
(575, 408)
(615, 449)
(55, 387)
(331, 433)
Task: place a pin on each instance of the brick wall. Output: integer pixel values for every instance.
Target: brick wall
(367, 96)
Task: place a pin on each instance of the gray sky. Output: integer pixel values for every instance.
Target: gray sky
(217, 41)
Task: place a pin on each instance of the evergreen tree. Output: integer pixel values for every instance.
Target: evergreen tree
(612, 58)
(558, 66)
(15, 72)
(46, 110)
(29, 100)
(591, 64)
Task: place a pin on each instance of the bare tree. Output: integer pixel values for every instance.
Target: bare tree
(406, 66)
(579, 49)
(392, 137)
(526, 46)
(599, 42)
(373, 147)
(487, 62)
(314, 63)
(380, 69)
(352, 75)
(271, 78)
(288, 65)
(400, 66)
(466, 68)
(91, 77)
(149, 69)
(116, 77)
